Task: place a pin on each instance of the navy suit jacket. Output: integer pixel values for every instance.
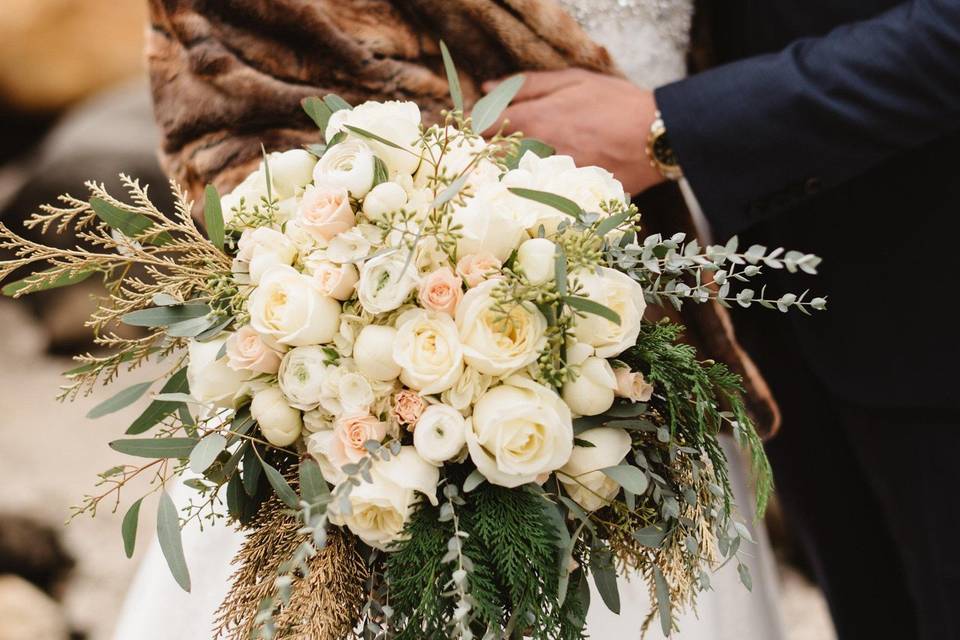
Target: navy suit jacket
(833, 126)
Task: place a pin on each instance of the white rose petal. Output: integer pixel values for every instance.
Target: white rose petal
(592, 392)
(440, 434)
(211, 379)
(263, 248)
(582, 476)
(519, 431)
(494, 344)
(397, 122)
(280, 423)
(624, 295)
(290, 170)
(289, 307)
(427, 349)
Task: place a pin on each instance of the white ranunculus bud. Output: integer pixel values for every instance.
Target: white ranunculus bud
(621, 293)
(280, 423)
(210, 378)
(592, 392)
(373, 352)
(519, 431)
(386, 281)
(428, 350)
(440, 434)
(290, 170)
(582, 476)
(301, 376)
(348, 165)
(382, 199)
(289, 307)
(380, 509)
(493, 344)
(537, 257)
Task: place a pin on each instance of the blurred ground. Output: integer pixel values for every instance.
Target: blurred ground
(51, 454)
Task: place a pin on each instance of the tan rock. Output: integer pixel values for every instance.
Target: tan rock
(27, 613)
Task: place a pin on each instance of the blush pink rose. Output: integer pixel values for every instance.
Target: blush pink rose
(407, 408)
(336, 280)
(632, 385)
(325, 212)
(349, 434)
(441, 291)
(248, 351)
(477, 267)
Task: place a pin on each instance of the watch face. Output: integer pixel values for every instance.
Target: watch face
(663, 152)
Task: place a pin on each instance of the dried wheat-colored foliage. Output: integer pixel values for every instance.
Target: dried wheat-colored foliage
(324, 605)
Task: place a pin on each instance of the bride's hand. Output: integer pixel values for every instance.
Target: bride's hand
(598, 119)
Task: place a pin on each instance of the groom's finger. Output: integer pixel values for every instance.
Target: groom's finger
(541, 83)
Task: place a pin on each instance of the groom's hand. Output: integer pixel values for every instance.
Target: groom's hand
(598, 119)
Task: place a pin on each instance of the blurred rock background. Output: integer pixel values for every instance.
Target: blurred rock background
(74, 106)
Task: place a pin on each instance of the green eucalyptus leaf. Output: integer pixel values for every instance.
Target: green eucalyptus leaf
(605, 579)
(132, 225)
(213, 216)
(336, 103)
(206, 451)
(168, 533)
(561, 204)
(120, 401)
(318, 111)
(39, 282)
(610, 223)
(372, 136)
(380, 172)
(630, 478)
(158, 410)
(542, 149)
(155, 447)
(128, 529)
(313, 488)
(453, 79)
(591, 306)
(664, 607)
(451, 191)
(166, 316)
(474, 480)
(651, 536)
(252, 471)
(560, 270)
(280, 485)
(488, 109)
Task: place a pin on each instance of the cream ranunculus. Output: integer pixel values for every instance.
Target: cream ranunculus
(210, 378)
(262, 248)
(289, 307)
(280, 423)
(301, 377)
(373, 352)
(427, 349)
(519, 431)
(335, 280)
(386, 281)
(440, 434)
(621, 293)
(538, 258)
(592, 392)
(384, 198)
(582, 476)
(247, 350)
(494, 344)
(397, 122)
(347, 165)
(380, 509)
(325, 212)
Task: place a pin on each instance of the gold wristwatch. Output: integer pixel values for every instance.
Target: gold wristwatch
(661, 154)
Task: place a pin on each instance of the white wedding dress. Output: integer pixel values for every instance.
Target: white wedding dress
(648, 39)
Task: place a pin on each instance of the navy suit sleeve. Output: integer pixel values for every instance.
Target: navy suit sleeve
(756, 136)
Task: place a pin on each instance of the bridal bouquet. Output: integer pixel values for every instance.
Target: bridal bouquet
(413, 363)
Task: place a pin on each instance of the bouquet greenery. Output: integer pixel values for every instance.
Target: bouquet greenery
(413, 363)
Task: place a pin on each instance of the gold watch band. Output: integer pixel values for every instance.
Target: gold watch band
(662, 157)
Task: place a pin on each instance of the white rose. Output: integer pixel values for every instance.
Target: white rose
(457, 153)
(319, 445)
(427, 349)
(538, 258)
(210, 378)
(440, 434)
(494, 221)
(290, 170)
(383, 199)
(380, 509)
(348, 165)
(280, 423)
(494, 344)
(301, 377)
(519, 431)
(397, 122)
(582, 476)
(335, 280)
(592, 392)
(289, 307)
(386, 281)
(624, 295)
(467, 389)
(373, 352)
(263, 248)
